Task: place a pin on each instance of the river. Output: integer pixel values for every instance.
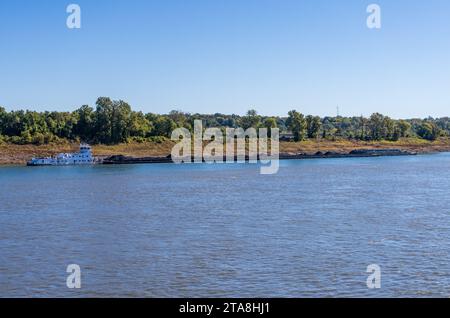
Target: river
(226, 231)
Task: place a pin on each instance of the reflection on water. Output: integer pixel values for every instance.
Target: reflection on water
(225, 230)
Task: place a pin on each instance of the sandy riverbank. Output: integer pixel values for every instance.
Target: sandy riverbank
(20, 154)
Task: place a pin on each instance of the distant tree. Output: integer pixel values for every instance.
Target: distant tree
(377, 127)
(25, 137)
(38, 139)
(181, 119)
(103, 120)
(3, 120)
(328, 128)
(270, 123)
(297, 124)
(428, 131)
(84, 127)
(313, 125)
(251, 120)
(139, 125)
(363, 123)
(151, 118)
(113, 121)
(164, 126)
(404, 128)
(389, 129)
(121, 118)
(62, 124)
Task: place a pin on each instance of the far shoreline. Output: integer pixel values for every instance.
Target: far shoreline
(162, 161)
(17, 155)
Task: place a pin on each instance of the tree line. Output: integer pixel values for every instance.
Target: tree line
(113, 121)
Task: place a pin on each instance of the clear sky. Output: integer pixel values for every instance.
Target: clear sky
(228, 56)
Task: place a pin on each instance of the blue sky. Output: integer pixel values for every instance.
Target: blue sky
(228, 56)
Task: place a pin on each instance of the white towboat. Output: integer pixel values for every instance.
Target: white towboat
(84, 157)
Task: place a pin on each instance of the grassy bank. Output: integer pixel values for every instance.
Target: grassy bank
(20, 154)
(345, 146)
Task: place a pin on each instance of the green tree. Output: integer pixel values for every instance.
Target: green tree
(251, 120)
(363, 123)
(389, 129)
(3, 120)
(404, 128)
(84, 128)
(377, 127)
(139, 125)
(270, 123)
(113, 121)
(428, 131)
(62, 124)
(181, 119)
(121, 118)
(313, 126)
(103, 120)
(297, 124)
(164, 126)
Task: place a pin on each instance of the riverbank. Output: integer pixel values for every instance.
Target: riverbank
(11, 154)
